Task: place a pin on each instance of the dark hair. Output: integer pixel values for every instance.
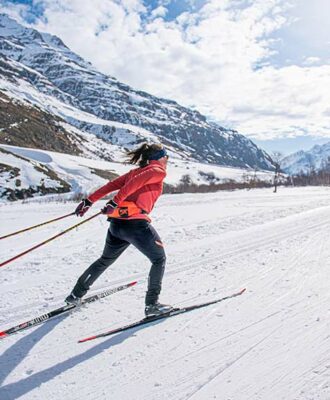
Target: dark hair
(141, 155)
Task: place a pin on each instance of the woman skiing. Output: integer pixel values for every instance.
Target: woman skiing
(138, 190)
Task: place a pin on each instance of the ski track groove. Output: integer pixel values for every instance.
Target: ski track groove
(293, 262)
(207, 346)
(222, 369)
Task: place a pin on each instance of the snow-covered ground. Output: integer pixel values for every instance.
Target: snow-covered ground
(272, 343)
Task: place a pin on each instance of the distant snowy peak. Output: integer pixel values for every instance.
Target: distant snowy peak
(54, 70)
(305, 161)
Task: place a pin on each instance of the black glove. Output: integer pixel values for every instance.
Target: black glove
(83, 207)
(109, 208)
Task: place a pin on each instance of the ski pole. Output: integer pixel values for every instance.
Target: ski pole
(36, 226)
(48, 240)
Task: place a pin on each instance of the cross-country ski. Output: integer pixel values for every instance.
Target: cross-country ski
(172, 313)
(62, 310)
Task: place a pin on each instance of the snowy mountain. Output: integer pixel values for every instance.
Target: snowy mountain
(305, 161)
(39, 71)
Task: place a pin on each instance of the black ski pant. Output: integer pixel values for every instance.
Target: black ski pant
(141, 234)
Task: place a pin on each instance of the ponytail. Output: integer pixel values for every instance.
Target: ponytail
(142, 154)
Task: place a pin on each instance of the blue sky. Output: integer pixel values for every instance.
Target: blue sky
(308, 35)
(259, 66)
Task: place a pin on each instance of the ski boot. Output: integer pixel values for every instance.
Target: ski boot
(73, 299)
(152, 310)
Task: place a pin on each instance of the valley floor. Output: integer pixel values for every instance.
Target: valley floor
(272, 343)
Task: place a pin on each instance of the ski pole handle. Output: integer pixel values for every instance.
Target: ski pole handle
(35, 226)
(48, 240)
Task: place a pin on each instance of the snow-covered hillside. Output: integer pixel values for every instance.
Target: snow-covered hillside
(21, 177)
(80, 174)
(270, 344)
(306, 161)
(73, 174)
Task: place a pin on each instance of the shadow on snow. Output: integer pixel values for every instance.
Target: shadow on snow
(15, 354)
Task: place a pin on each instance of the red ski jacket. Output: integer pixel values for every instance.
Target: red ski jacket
(140, 186)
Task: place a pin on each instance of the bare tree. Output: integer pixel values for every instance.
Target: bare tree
(277, 157)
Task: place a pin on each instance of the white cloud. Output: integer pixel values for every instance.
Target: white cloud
(213, 60)
(14, 10)
(312, 60)
(159, 12)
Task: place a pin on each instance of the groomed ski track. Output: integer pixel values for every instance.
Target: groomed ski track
(272, 343)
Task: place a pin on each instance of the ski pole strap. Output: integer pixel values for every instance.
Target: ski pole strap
(36, 226)
(48, 240)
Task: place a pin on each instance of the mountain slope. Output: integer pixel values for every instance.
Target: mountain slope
(26, 124)
(43, 61)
